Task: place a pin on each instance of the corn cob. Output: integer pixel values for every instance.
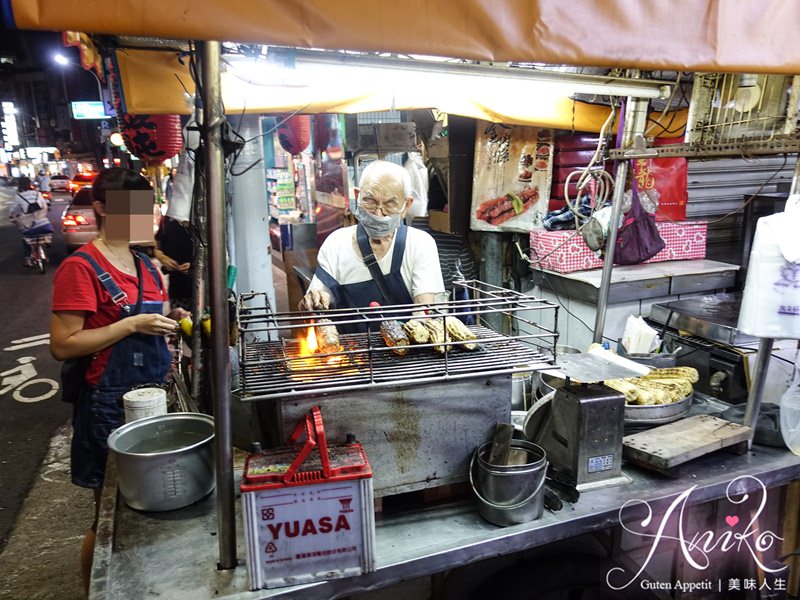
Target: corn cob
(394, 336)
(327, 336)
(636, 394)
(437, 331)
(460, 332)
(676, 389)
(688, 373)
(416, 331)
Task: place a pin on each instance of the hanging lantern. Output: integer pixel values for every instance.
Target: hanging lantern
(152, 138)
(294, 133)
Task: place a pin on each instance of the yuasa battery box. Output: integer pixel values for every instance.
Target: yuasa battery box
(308, 510)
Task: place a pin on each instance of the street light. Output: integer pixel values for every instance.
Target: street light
(63, 61)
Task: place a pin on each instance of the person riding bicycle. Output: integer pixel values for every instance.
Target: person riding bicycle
(28, 211)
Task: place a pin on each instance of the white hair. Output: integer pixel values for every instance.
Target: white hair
(383, 168)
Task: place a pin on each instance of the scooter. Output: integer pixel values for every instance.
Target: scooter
(38, 251)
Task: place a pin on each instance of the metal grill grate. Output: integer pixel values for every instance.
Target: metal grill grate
(271, 365)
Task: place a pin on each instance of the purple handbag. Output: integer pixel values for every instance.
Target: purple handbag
(637, 239)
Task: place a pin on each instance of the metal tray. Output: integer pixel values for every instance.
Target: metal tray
(657, 414)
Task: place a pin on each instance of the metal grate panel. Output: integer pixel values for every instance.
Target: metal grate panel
(271, 364)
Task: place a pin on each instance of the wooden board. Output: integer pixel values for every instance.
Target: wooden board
(664, 448)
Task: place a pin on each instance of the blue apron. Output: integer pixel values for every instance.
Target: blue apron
(135, 360)
(359, 295)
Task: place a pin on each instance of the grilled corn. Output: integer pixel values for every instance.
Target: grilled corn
(394, 336)
(416, 331)
(327, 336)
(459, 332)
(687, 373)
(436, 329)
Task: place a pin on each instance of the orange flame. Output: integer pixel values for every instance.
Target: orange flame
(308, 344)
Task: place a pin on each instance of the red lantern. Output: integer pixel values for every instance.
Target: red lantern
(294, 133)
(153, 138)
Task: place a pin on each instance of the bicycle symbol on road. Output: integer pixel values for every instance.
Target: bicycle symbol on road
(24, 376)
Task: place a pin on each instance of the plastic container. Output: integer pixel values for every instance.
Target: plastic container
(790, 413)
(509, 494)
(144, 402)
(657, 360)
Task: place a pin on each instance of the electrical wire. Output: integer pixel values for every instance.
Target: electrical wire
(666, 107)
(604, 182)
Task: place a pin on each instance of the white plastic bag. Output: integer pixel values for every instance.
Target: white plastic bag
(771, 300)
(790, 412)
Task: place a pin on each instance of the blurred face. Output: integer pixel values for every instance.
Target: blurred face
(128, 215)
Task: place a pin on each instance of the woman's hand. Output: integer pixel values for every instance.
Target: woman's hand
(178, 313)
(170, 264)
(152, 324)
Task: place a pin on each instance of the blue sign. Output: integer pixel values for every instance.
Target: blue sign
(89, 110)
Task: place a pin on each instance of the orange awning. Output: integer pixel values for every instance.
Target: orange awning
(153, 82)
(757, 36)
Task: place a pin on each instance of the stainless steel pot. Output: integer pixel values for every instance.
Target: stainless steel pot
(657, 414)
(164, 462)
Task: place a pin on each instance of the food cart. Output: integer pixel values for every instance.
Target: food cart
(691, 42)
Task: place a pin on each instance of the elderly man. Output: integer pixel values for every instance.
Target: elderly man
(380, 259)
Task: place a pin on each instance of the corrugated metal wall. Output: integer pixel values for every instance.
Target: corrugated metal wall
(718, 187)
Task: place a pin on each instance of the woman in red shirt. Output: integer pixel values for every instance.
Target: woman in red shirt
(108, 305)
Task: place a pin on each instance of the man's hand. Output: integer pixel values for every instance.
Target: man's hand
(315, 299)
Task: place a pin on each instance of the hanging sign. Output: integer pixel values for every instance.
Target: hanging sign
(512, 177)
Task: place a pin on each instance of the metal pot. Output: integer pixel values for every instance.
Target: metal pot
(657, 414)
(164, 462)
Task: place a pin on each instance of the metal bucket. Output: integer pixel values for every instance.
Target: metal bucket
(509, 494)
(164, 462)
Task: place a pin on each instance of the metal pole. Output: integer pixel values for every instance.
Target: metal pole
(199, 295)
(634, 122)
(491, 269)
(220, 357)
(757, 387)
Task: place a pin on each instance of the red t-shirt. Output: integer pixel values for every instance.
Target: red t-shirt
(76, 287)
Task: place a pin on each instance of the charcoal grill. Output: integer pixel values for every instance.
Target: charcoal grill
(418, 416)
(271, 364)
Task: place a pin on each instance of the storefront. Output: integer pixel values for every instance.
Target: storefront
(432, 540)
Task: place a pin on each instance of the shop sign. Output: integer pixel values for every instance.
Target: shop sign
(9, 125)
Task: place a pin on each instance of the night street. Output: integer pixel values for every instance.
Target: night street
(29, 396)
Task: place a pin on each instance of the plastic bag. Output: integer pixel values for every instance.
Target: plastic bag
(771, 300)
(638, 239)
(790, 412)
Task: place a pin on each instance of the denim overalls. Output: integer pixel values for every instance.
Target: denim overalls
(359, 295)
(134, 361)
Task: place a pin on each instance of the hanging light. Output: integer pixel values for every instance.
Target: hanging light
(116, 139)
(294, 133)
(153, 138)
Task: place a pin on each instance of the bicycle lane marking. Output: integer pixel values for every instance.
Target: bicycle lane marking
(24, 375)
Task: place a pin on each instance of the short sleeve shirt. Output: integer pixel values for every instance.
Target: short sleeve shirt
(419, 269)
(76, 288)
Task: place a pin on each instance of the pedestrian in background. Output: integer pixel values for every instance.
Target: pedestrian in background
(28, 211)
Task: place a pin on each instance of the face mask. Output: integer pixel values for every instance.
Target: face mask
(378, 227)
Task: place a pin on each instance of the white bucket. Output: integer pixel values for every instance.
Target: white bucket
(144, 402)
